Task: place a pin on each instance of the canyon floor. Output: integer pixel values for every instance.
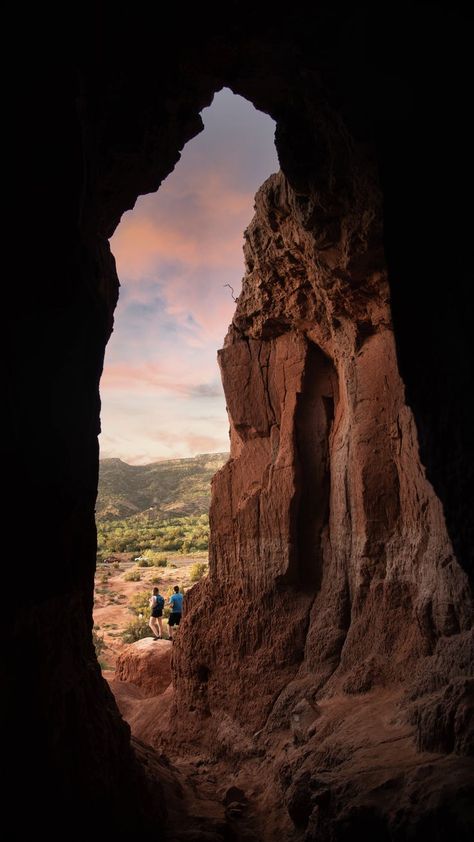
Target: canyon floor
(353, 756)
(319, 769)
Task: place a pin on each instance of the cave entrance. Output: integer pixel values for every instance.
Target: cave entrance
(164, 423)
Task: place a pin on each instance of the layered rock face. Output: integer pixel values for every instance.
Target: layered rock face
(328, 544)
(331, 570)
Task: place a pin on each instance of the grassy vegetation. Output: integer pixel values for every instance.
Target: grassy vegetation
(198, 570)
(132, 576)
(150, 558)
(151, 510)
(100, 645)
(137, 629)
(153, 538)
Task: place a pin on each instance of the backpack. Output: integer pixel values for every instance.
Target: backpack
(159, 601)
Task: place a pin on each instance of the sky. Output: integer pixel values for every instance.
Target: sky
(176, 250)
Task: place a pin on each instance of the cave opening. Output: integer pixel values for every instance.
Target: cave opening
(356, 712)
(164, 427)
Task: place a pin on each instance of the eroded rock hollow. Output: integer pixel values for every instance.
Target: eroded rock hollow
(330, 650)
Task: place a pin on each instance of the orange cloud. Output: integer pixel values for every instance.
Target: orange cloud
(193, 442)
(129, 377)
(205, 233)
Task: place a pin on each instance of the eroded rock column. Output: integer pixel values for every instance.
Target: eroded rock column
(330, 563)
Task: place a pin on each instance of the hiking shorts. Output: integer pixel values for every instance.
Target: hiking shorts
(157, 612)
(175, 618)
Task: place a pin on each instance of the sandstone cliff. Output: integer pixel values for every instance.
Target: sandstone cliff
(332, 575)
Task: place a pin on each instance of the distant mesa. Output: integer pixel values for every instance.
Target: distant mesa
(168, 488)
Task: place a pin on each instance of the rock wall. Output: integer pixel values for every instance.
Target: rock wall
(329, 552)
(333, 583)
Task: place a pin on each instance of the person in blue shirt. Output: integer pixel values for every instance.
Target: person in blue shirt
(176, 602)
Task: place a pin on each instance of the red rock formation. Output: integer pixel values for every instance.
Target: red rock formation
(147, 665)
(331, 570)
(145, 714)
(328, 544)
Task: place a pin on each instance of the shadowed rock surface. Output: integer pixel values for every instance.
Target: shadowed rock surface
(330, 564)
(339, 557)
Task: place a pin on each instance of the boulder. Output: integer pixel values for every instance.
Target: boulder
(147, 664)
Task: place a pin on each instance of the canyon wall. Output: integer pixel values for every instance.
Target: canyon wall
(332, 576)
(329, 552)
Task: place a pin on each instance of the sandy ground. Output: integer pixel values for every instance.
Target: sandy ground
(112, 597)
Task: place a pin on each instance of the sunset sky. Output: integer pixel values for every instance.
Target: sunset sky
(161, 391)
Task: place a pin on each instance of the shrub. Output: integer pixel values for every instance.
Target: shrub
(136, 630)
(116, 565)
(152, 557)
(98, 642)
(132, 576)
(139, 603)
(198, 570)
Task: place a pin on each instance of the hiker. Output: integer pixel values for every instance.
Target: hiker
(176, 602)
(157, 603)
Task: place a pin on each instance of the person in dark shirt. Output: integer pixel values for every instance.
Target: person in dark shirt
(156, 620)
(176, 602)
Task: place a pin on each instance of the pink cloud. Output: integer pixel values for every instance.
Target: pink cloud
(208, 232)
(141, 244)
(204, 444)
(186, 246)
(193, 442)
(163, 444)
(178, 379)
